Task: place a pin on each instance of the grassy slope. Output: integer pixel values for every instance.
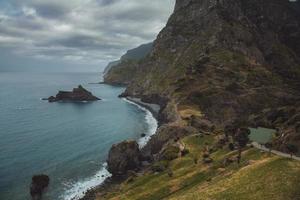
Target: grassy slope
(259, 176)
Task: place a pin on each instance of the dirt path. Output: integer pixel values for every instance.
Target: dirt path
(263, 148)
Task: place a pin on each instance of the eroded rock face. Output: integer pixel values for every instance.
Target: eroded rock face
(78, 94)
(165, 134)
(203, 125)
(123, 157)
(38, 185)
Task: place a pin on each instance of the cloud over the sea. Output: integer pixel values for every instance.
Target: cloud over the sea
(79, 31)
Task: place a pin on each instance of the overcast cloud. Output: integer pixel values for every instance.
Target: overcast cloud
(84, 32)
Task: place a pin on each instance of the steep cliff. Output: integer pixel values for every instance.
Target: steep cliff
(228, 59)
(121, 71)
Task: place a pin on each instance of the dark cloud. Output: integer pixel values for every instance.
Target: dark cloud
(50, 10)
(89, 31)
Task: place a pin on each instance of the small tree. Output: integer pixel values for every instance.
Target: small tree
(231, 146)
(229, 130)
(170, 172)
(241, 137)
(292, 149)
(269, 146)
(206, 158)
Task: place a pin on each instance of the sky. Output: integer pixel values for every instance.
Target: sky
(84, 34)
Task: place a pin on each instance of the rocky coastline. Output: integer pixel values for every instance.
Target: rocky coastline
(121, 154)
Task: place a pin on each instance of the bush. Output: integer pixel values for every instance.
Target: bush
(207, 160)
(185, 152)
(231, 146)
(159, 166)
(170, 153)
(205, 155)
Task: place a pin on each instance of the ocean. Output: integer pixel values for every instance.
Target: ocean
(67, 141)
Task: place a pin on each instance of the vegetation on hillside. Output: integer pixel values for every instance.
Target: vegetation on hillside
(258, 176)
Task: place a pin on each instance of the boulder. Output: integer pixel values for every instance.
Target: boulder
(38, 184)
(143, 135)
(123, 157)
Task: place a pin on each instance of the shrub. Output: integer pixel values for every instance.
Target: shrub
(170, 153)
(185, 152)
(159, 166)
(231, 146)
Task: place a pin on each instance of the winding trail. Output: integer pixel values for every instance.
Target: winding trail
(263, 148)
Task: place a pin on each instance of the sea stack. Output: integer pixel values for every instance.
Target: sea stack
(38, 185)
(76, 95)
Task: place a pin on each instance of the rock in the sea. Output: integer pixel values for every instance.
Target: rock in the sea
(38, 185)
(123, 157)
(78, 94)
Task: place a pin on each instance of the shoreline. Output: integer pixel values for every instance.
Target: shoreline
(151, 112)
(153, 108)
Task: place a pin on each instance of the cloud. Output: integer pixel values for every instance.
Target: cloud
(89, 31)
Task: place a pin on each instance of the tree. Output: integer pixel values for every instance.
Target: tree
(292, 149)
(231, 146)
(241, 137)
(229, 130)
(269, 146)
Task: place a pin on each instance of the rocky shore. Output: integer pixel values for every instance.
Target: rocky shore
(125, 160)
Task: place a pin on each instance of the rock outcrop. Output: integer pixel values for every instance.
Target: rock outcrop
(38, 185)
(78, 94)
(165, 134)
(123, 157)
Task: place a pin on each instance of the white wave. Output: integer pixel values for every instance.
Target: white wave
(150, 120)
(78, 189)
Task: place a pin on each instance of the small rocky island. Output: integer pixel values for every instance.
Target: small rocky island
(77, 94)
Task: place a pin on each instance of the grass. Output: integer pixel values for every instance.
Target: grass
(259, 176)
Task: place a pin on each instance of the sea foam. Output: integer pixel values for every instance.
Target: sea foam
(150, 120)
(78, 189)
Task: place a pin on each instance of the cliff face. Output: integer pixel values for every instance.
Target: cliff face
(228, 59)
(122, 71)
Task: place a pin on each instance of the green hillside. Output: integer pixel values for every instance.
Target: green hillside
(259, 176)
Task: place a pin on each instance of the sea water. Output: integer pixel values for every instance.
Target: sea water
(67, 141)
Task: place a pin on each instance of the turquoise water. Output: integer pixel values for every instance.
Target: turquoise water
(67, 141)
(261, 135)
